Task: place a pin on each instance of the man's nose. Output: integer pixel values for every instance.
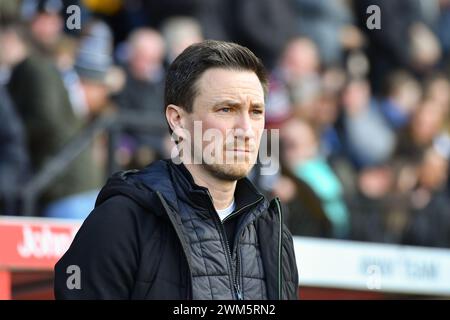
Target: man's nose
(244, 126)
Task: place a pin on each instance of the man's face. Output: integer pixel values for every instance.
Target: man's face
(230, 104)
(147, 54)
(96, 95)
(47, 28)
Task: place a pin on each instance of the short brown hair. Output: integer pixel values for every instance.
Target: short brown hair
(187, 68)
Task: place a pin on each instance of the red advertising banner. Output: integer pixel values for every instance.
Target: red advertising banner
(34, 243)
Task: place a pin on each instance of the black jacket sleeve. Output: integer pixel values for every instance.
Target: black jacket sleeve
(291, 281)
(106, 251)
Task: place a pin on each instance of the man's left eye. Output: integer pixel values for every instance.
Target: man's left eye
(257, 111)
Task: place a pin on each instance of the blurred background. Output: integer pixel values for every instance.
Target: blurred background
(363, 112)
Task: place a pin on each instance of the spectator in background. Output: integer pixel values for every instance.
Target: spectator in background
(429, 224)
(327, 113)
(426, 125)
(362, 121)
(301, 72)
(437, 89)
(442, 27)
(43, 105)
(404, 40)
(45, 19)
(143, 93)
(425, 186)
(265, 26)
(294, 83)
(146, 55)
(179, 33)
(94, 67)
(216, 18)
(144, 86)
(379, 211)
(330, 25)
(402, 95)
(300, 60)
(46, 24)
(14, 160)
(300, 155)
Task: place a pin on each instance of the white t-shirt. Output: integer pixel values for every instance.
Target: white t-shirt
(227, 211)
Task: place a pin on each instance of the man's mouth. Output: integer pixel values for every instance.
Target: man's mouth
(239, 151)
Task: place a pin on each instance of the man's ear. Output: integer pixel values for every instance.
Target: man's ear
(176, 117)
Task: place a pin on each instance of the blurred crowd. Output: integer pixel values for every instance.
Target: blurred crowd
(363, 113)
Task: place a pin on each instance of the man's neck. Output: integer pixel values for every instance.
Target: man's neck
(21, 52)
(222, 192)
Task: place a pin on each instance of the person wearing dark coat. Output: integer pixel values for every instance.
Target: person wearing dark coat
(429, 223)
(14, 159)
(42, 103)
(143, 92)
(183, 228)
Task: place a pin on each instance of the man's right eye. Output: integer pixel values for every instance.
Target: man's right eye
(226, 110)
